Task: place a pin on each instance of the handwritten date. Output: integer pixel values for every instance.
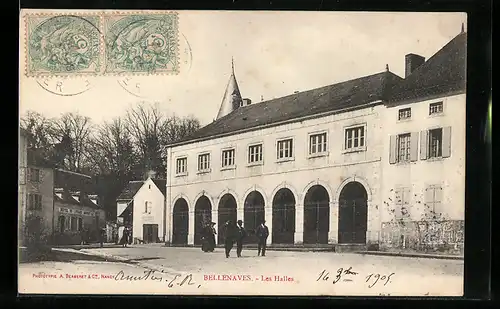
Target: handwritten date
(348, 274)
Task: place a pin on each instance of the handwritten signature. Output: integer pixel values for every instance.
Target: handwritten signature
(178, 280)
(347, 275)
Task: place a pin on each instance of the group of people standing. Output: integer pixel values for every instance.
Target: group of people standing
(234, 233)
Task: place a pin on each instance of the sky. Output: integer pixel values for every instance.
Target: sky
(275, 54)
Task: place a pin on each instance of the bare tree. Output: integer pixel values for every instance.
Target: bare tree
(111, 150)
(176, 128)
(144, 123)
(40, 134)
(74, 132)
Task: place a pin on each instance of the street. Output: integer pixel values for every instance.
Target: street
(167, 270)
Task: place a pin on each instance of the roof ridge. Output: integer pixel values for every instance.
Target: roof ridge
(425, 64)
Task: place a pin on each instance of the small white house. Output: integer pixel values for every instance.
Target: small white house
(141, 205)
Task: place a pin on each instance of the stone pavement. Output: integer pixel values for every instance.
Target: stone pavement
(410, 276)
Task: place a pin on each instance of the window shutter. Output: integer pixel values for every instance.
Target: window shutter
(446, 142)
(423, 145)
(392, 149)
(438, 200)
(414, 147)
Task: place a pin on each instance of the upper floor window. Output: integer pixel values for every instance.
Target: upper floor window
(404, 148)
(147, 207)
(285, 149)
(34, 201)
(181, 166)
(435, 143)
(317, 143)
(435, 108)
(33, 174)
(204, 162)
(402, 202)
(433, 200)
(354, 138)
(255, 153)
(228, 157)
(404, 113)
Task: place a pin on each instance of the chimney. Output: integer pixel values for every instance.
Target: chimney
(246, 102)
(412, 62)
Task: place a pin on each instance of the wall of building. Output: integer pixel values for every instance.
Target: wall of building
(43, 187)
(445, 224)
(23, 159)
(91, 219)
(332, 171)
(149, 193)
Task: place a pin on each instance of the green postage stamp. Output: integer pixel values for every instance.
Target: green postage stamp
(141, 44)
(102, 43)
(62, 45)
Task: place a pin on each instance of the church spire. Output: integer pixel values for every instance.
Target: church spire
(232, 97)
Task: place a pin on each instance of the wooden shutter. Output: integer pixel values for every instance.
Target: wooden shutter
(446, 142)
(438, 200)
(414, 147)
(423, 145)
(393, 149)
(428, 199)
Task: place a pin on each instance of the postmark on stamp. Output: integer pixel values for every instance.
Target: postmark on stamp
(63, 45)
(65, 87)
(141, 44)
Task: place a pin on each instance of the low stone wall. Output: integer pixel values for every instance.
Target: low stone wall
(423, 236)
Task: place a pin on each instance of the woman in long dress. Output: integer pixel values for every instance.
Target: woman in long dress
(124, 239)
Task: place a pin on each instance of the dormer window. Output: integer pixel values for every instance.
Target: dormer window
(436, 108)
(404, 114)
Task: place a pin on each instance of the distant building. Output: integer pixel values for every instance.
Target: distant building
(333, 166)
(141, 205)
(79, 217)
(36, 184)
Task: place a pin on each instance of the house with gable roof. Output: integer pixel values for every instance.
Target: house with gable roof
(141, 206)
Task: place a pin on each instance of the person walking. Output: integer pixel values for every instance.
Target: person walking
(240, 235)
(229, 237)
(212, 237)
(262, 232)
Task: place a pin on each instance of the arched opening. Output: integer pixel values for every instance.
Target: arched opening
(202, 217)
(180, 222)
(316, 215)
(283, 217)
(253, 215)
(353, 214)
(227, 211)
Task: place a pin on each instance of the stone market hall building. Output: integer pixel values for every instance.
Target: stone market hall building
(318, 165)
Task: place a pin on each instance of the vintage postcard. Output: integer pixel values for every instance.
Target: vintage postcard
(242, 153)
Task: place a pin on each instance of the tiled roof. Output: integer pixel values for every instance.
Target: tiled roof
(130, 190)
(331, 98)
(162, 185)
(67, 198)
(443, 73)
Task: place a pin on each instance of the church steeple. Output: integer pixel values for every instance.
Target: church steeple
(232, 97)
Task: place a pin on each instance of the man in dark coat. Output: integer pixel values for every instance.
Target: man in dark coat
(240, 235)
(229, 236)
(262, 232)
